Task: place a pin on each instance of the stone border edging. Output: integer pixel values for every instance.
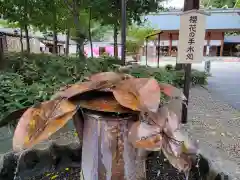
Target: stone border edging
(34, 162)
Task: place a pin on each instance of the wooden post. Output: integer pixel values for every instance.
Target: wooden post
(67, 42)
(188, 5)
(170, 44)
(2, 60)
(106, 152)
(222, 44)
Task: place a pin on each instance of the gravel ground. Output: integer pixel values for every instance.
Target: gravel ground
(215, 124)
(65, 174)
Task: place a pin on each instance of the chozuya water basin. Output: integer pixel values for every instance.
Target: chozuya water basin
(6, 134)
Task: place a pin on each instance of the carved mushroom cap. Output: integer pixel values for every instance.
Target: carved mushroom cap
(113, 92)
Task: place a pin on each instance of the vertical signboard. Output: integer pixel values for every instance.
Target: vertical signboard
(191, 38)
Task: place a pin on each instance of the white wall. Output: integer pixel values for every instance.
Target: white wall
(72, 49)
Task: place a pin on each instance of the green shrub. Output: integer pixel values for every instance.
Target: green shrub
(15, 94)
(198, 78)
(29, 79)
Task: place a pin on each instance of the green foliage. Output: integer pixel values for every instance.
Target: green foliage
(51, 16)
(139, 33)
(7, 24)
(238, 4)
(98, 31)
(18, 11)
(112, 16)
(198, 77)
(136, 36)
(45, 68)
(219, 3)
(33, 78)
(132, 46)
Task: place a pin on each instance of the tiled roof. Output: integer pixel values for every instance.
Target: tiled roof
(226, 20)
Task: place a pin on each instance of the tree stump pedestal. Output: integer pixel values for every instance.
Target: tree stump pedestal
(106, 152)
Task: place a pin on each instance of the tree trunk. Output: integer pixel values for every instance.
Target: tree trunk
(80, 37)
(21, 39)
(89, 30)
(55, 40)
(67, 42)
(27, 38)
(80, 47)
(115, 34)
(2, 60)
(106, 152)
(26, 19)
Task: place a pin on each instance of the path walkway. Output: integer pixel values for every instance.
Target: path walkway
(216, 125)
(225, 83)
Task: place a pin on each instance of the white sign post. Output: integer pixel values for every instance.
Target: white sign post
(191, 37)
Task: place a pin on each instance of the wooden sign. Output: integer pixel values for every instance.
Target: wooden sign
(191, 37)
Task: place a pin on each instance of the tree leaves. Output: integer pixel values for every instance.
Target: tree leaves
(219, 3)
(41, 121)
(138, 34)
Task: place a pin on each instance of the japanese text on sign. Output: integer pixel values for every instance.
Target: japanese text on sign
(191, 39)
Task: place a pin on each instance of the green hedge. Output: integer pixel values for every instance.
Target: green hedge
(29, 79)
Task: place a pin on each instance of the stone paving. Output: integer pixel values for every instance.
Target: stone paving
(216, 126)
(225, 83)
